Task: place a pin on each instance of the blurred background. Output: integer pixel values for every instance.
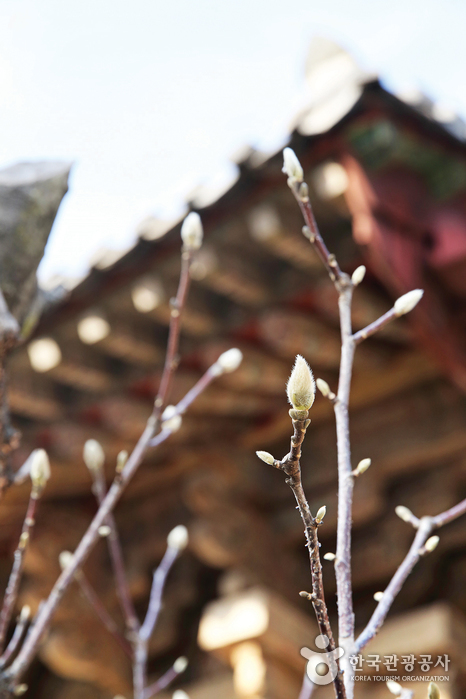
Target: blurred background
(150, 99)
(163, 108)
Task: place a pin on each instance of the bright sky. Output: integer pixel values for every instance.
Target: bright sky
(150, 98)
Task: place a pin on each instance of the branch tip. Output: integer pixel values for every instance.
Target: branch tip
(362, 467)
(40, 469)
(178, 538)
(378, 596)
(301, 387)
(93, 455)
(192, 232)
(266, 457)
(404, 513)
(321, 512)
(407, 302)
(358, 275)
(431, 543)
(292, 167)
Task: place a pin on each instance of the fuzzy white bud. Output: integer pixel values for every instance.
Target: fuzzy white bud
(378, 596)
(179, 694)
(329, 556)
(170, 419)
(25, 613)
(192, 232)
(404, 513)
(121, 460)
(433, 691)
(40, 468)
(323, 387)
(321, 512)
(407, 302)
(394, 688)
(65, 559)
(265, 457)
(291, 166)
(358, 275)
(93, 455)
(178, 538)
(301, 388)
(362, 466)
(431, 543)
(228, 361)
(104, 530)
(20, 689)
(180, 664)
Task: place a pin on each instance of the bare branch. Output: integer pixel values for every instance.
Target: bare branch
(91, 536)
(147, 628)
(178, 667)
(116, 556)
(424, 529)
(18, 633)
(375, 326)
(291, 466)
(11, 593)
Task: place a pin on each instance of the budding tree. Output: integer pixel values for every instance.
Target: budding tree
(300, 391)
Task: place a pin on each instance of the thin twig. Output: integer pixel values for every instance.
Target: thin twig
(291, 465)
(147, 628)
(313, 234)
(15, 640)
(345, 488)
(96, 603)
(424, 529)
(171, 359)
(11, 593)
(166, 679)
(344, 287)
(116, 557)
(374, 327)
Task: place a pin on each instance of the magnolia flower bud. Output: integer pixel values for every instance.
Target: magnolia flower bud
(394, 688)
(93, 455)
(40, 469)
(65, 559)
(407, 302)
(25, 613)
(121, 460)
(329, 556)
(179, 694)
(20, 689)
(404, 513)
(433, 692)
(265, 457)
(323, 387)
(178, 538)
(104, 530)
(292, 166)
(180, 664)
(192, 232)
(358, 275)
(431, 543)
(362, 466)
(378, 596)
(321, 512)
(170, 419)
(229, 361)
(301, 388)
